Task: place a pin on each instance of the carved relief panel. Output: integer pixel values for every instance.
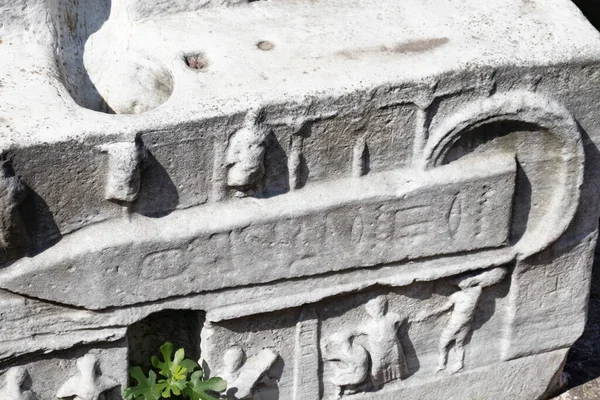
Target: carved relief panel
(384, 257)
(384, 340)
(81, 373)
(254, 354)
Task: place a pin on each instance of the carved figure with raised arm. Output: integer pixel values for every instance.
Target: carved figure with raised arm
(462, 305)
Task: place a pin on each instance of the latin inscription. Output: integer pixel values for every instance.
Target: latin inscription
(390, 217)
(444, 219)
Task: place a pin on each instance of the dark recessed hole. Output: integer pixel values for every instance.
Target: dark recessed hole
(265, 45)
(180, 327)
(197, 61)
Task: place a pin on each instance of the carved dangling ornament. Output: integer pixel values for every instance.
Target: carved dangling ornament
(15, 379)
(87, 384)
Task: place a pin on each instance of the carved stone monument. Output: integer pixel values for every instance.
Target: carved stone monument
(317, 199)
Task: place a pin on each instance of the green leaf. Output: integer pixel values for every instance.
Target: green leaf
(146, 389)
(197, 389)
(165, 387)
(179, 356)
(175, 371)
(189, 365)
(164, 367)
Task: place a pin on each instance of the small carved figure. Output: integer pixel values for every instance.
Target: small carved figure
(350, 363)
(463, 304)
(245, 155)
(12, 194)
(242, 373)
(87, 384)
(14, 381)
(124, 171)
(387, 360)
(387, 356)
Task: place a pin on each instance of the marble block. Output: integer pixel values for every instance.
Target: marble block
(328, 199)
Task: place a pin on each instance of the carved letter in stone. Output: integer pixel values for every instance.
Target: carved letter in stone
(124, 171)
(87, 384)
(243, 374)
(12, 194)
(350, 363)
(245, 155)
(306, 357)
(463, 304)
(14, 381)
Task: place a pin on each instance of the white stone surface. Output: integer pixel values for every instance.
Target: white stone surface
(88, 384)
(335, 199)
(15, 379)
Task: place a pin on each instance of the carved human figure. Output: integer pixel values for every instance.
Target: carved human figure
(124, 171)
(12, 194)
(387, 356)
(380, 332)
(245, 155)
(463, 305)
(350, 363)
(87, 384)
(242, 374)
(13, 389)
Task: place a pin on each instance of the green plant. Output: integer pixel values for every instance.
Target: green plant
(178, 378)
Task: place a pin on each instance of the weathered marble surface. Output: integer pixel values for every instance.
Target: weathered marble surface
(344, 198)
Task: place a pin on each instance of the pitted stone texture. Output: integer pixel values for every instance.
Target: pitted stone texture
(15, 381)
(88, 383)
(586, 391)
(339, 199)
(80, 373)
(13, 239)
(124, 171)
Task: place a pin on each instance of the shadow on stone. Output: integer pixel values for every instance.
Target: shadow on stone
(277, 175)
(39, 223)
(93, 14)
(591, 9)
(182, 328)
(158, 193)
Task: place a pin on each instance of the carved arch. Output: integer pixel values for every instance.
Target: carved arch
(546, 141)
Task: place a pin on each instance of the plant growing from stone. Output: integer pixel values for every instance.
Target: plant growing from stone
(178, 378)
